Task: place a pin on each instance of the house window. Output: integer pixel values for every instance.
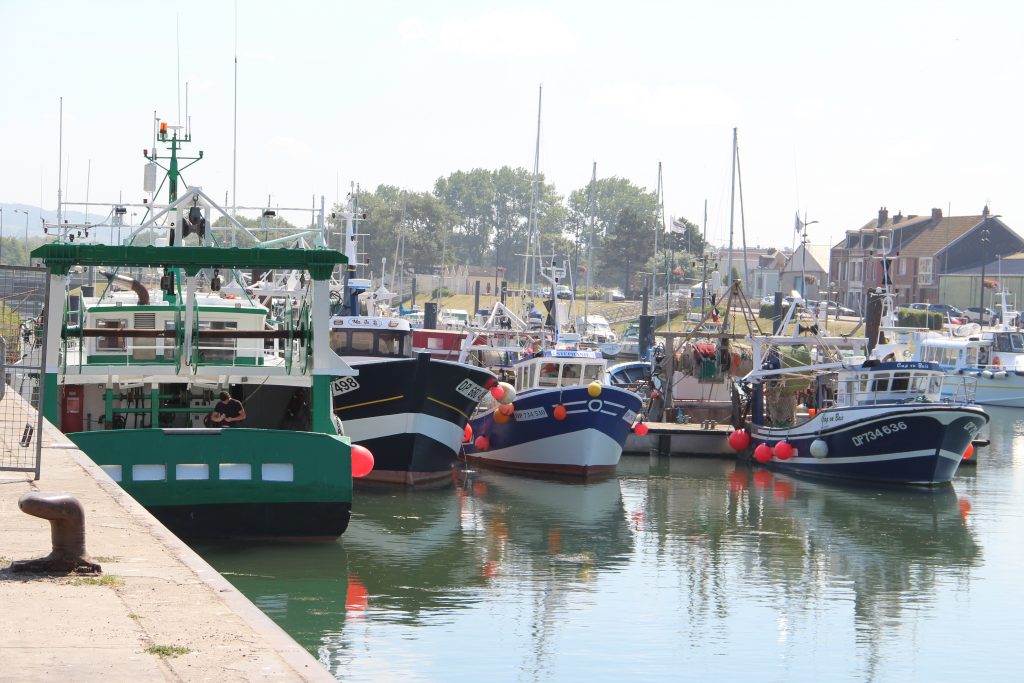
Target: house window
(902, 266)
(924, 270)
(842, 270)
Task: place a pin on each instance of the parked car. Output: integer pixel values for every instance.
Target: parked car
(953, 314)
(616, 295)
(917, 306)
(563, 292)
(833, 308)
(982, 316)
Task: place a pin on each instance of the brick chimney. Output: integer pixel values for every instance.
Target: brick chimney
(883, 216)
(936, 215)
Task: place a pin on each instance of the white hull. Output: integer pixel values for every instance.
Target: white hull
(439, 430)
(583, 449)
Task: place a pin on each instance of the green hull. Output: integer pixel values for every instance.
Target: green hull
(231, 482)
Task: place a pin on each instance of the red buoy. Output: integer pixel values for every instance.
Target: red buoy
(763, 453)
(467, 434)
(739, 440)
(783, 450)
(482, 443)
(362, 461)
(969, 452)
(559, 412)
(640, 429)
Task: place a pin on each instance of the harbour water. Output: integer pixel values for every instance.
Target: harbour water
(675, 569)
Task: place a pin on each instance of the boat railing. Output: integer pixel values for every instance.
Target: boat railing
(904, 386)
(960, 388)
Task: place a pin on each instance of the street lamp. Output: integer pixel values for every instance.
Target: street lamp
(803, 261)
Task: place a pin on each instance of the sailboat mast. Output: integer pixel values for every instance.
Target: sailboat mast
(654, 262)
(732, 201)
(60, 160)
(743, 218)
(234, 148)
(534, 198)
(590, 240)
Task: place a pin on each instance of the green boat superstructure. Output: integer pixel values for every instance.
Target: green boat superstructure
(134, 369)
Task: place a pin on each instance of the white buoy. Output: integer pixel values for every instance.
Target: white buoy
(819, 449)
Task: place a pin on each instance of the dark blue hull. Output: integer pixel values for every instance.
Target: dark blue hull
(918, 444)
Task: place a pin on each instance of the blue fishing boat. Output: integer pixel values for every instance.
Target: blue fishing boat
(884, 422)
(562, 419)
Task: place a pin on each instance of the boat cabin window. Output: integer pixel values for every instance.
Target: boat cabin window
(111, 343)
(901, 381)
(368, 343)
(217, 349)
(571, 373)
(592, 373)
(1010, 343)
(549, 375)
(972, 356)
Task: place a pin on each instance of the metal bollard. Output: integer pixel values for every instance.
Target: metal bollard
(67, 534)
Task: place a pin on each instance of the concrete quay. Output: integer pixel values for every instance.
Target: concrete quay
(154, 598)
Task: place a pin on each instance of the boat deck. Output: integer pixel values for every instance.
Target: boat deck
(690, 438)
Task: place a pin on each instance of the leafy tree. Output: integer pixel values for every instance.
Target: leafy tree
(689, 241)
(627, 245)
(426, 229)
(470, 196)
(624, 223)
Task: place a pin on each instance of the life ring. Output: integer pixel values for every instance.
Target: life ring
(997, 364)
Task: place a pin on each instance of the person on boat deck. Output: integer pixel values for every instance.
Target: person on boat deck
(228, 412)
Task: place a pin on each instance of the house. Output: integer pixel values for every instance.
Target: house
(964, 288)
(916, 251)
(809, 264)
(462, 279)
(762, 268)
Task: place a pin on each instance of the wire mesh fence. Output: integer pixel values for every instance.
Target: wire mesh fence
(23, 292)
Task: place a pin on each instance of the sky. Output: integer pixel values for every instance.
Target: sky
(840, 108)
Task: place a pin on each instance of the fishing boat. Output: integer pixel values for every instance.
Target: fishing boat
(558, 418)
(408, 406)
(132, 374)
(871, 420)
(994, 357)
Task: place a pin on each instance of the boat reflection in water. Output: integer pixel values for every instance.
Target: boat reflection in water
(409, 559)
(809, 547)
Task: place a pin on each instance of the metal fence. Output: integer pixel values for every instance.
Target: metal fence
(23, 292)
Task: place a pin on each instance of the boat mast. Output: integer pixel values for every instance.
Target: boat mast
(743, 218)
(234, 149)
(590, 242)
(534, 198)
(60, 167)
(732, 200)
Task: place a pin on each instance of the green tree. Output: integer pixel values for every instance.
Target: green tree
(619, 207)
(426, 228)
(470, 195)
